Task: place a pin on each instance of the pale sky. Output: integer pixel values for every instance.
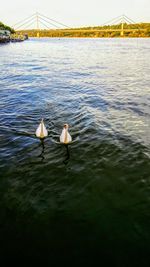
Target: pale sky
(75, 13)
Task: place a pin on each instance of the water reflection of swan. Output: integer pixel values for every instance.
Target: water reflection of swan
(41, 131)
(65, 136)
(67, 155)
(42, 152)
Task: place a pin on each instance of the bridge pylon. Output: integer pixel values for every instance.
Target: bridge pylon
(37, 25)
(122, 22)
(122, 30)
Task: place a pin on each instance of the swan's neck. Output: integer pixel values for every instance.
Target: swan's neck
(65, 140)
(42, 133)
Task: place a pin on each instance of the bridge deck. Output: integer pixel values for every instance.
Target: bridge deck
(100, 30)
(82, 30)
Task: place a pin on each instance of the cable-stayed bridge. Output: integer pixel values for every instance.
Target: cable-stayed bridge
(39, 22)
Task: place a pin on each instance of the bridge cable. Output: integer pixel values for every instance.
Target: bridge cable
(44, 24)
(111, 21)
(23, 20)
(28, 26)
(54, 21)
(32, 19)
(50, 23)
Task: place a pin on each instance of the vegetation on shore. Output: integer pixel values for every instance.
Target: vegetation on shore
(5, 27)
(130, 30)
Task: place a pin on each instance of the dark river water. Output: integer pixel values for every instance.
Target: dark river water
(89, 204)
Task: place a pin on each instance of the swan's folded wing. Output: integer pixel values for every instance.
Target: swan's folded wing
(62, 136)
(69, 138)
(45, 132)
(38, 131)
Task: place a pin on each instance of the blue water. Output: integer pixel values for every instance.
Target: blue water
(89, 202)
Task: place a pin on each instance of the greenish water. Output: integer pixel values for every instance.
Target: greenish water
(89, 204)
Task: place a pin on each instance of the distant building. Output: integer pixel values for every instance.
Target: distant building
(5, 33)
(4, 36)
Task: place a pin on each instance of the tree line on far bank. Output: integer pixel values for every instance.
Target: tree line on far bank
(5, 27)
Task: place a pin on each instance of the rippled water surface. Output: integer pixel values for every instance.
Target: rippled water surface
(90, 202)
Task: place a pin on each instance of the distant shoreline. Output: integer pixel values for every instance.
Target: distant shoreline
(88, 37)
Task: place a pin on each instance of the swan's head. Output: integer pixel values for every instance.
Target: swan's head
(66, 126)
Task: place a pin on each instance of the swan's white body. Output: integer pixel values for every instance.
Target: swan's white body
(65, 137)
(41, 131)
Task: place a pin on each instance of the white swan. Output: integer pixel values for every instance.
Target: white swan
(65, 137)
(41, 131)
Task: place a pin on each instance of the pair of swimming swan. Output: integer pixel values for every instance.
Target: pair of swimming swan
(42, 132)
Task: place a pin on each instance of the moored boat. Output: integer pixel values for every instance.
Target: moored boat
(17, 38)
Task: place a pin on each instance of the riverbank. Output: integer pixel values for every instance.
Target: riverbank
(7, 34)
(12, 38)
